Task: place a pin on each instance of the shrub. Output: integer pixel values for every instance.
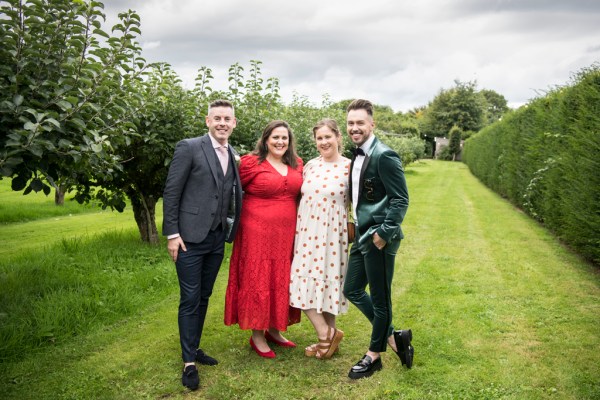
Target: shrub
(445, 154)
(544, 158)
(410, 149)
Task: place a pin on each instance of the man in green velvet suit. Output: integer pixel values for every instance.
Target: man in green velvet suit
(379, 201)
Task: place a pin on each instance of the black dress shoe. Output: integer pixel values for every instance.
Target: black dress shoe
(405, 349)
(365, 368)
(190, 378)
(204, 359)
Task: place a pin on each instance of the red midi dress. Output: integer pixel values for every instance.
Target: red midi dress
(259, 272)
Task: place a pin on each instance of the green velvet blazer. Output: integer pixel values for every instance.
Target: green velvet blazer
(382, 196)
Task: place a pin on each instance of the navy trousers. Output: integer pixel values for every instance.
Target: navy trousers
(197, 270)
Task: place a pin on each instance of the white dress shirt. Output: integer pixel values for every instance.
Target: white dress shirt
(358, 163)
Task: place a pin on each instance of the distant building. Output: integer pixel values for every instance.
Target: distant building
(441, 142)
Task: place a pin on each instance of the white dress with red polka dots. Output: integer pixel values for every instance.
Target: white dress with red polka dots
(321, 242)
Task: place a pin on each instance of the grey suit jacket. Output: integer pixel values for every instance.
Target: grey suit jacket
(190, 198)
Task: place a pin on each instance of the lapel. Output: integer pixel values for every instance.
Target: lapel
(211, 158)
(233, 164)
(368, 158)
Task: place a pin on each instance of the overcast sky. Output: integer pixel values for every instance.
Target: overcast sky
(397, 53)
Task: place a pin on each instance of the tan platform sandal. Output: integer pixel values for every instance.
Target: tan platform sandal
(311, 351)
(327, 347)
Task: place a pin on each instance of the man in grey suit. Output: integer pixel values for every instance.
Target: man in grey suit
(201, 208)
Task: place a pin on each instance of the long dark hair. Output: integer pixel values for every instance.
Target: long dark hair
(289, 157)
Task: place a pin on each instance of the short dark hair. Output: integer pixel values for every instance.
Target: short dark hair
(361, 104)
(221, 103)
(261, 150)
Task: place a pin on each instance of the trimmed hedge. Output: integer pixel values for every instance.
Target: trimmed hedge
(545, 158)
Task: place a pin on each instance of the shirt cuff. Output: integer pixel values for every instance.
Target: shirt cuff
(173, 236)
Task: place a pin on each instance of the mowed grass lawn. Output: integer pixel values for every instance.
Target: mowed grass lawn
(33, 221)
(498, 307)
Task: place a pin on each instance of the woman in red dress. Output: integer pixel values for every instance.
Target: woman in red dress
(257, 295)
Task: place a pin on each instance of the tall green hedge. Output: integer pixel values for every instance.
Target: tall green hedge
(545, 158)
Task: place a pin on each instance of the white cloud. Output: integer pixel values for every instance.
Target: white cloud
(151, 45)
(393, 52)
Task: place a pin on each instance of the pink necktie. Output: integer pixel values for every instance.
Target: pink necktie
(223, 157)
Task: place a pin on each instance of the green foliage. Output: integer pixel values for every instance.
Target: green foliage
(13, 208)
(496, 105)
(386, 119)
(394, 123)
(76, 114)
(463, 106)
(467, 134)
(303, 115)
(454, 142)
(410, 149)
(166, 114)
(256, 103)
(64, 91)
(445, 154)
(544, 158)
(409, 128)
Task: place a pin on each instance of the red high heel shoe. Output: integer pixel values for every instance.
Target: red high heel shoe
(265, 354)
(270, 338)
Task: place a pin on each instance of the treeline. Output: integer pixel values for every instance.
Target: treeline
(544, 157)
(81, 110)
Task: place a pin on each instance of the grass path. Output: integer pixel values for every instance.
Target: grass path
(499, 310)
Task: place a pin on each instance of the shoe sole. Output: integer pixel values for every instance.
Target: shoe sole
(313, 353)
(360, 375)
(191, 387)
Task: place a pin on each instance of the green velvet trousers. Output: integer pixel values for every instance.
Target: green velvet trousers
(375, 268)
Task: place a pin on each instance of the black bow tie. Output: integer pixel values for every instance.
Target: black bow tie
(358, 152)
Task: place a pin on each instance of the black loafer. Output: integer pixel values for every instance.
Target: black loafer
(205, 359)
(405, 349)
(365, 368)
(190, 378)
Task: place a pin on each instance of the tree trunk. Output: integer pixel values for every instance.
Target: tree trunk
(59, 195)
(144, 212)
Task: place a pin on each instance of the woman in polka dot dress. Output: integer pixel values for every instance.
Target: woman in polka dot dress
(321, 241)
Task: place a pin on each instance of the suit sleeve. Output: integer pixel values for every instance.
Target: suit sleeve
(392, 177)
(179, 171)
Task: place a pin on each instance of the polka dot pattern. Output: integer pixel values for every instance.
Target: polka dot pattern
(321, 245)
